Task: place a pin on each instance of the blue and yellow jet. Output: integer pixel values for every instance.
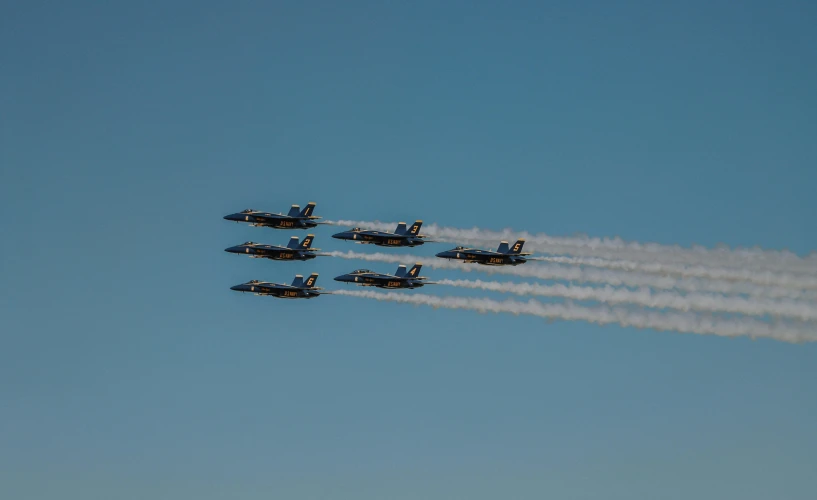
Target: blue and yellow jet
(504, 255)
(400, 279)
(401, 237)
(295, 219)
(299, 289)
(293, 251)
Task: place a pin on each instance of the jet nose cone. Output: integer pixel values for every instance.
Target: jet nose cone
(338, 236)
(237, 288)
(442, 254)
(231, 249)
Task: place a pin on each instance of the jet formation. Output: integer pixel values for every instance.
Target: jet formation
(301, 250)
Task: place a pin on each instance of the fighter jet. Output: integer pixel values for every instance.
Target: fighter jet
(293, 250)
(297, 290)
(504, 256)
(295, 219)
(400, 279)
(399, 238)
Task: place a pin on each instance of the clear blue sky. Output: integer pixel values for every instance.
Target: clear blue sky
(129, 370)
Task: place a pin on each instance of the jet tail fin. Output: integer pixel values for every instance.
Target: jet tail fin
(310, 281)
(401, 228)
(293, 242)
(517, 247)
(503, 247)
(298, 281)
(310, 207)
(401, 271)
(414, 230)
(307, 242)
(294, 210)
(414, 271)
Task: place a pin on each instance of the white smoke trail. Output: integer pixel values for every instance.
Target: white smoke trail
(585, 275)
(616, 248)
(763, 278)
(802, 311)
(602, 315)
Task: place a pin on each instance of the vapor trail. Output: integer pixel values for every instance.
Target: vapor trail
(645, 297)
(616, 248)
(763, 278)
(590, 275)
(602, 315)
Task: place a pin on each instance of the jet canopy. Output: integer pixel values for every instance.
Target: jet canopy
(248, 243)
(247, 211)
(361, 271)
(460, 248)
(356, 229)
(254, 281)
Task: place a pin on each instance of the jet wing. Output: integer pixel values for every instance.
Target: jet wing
(477, 255)
(271, 216)
(382, 234)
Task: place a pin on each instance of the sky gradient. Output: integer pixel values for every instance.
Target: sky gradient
(129, 370)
